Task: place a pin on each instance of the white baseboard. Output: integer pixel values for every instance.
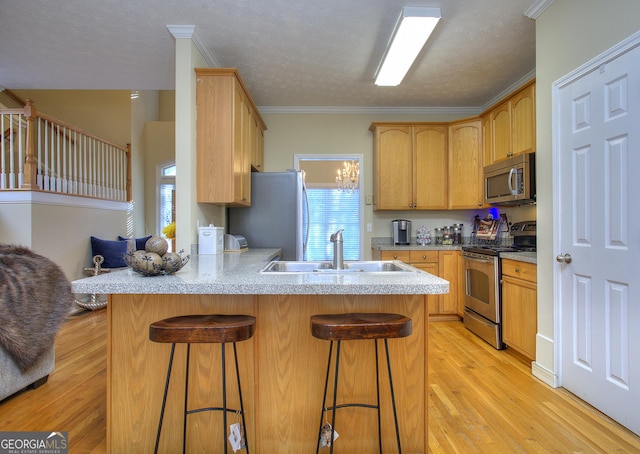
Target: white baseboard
(544, 375)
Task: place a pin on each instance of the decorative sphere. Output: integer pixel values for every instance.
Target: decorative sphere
(171, 262)
(157, 244)
(146, 261)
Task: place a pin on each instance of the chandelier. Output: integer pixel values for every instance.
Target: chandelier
(348, 177)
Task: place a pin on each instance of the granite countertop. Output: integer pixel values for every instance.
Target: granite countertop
(417, 247)
(386, 244)
(529, 257)
(238, 273)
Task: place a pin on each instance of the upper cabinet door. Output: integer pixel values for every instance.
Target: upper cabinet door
(430, 167)
(501, 131)
(523, 121)
(512, 125)
(229, 135)
(393, 158)
(465, 165)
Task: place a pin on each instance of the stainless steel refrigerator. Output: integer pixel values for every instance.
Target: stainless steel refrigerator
(278, 215)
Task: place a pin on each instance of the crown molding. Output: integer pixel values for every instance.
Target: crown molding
(510, 89)
(181, 31)
(537, 8)
(190, 32)
(354, 110)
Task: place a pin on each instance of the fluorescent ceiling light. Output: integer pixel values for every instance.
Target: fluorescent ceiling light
(411, 32)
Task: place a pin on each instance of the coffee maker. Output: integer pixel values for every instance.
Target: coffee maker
(401, 231)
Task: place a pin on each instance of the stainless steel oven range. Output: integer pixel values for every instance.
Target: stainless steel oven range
(482, 274)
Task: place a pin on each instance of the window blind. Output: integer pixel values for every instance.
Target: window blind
(329, 211)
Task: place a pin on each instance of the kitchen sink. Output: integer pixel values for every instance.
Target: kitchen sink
(374, 266)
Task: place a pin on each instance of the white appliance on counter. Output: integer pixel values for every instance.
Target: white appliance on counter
(210, 240)
(277, 215)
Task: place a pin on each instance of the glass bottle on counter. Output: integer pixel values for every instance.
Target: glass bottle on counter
(447, 238)
(457, 234)
(439, 234)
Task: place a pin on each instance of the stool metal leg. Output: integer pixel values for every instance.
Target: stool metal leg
(393, 397)
(375, 341)
(324, 395)
(335, 396)
(186, 394)
(244, 424)
(224, 399)
(164, 398)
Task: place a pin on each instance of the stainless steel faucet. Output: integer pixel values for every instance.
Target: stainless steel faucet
(338, 261)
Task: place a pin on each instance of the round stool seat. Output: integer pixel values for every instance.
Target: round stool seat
(207, 328)
(353, 326)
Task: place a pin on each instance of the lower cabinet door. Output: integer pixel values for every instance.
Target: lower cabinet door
(519, 315)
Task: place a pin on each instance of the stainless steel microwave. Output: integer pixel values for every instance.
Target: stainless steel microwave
(511, 181)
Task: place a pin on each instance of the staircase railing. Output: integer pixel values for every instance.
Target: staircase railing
(40, 153)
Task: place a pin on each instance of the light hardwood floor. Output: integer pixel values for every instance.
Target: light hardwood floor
(480, 400)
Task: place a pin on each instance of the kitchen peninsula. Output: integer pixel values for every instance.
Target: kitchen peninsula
(282, 367)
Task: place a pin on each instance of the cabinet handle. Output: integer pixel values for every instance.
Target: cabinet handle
(395, 257)
(424, 257)
(517, 269)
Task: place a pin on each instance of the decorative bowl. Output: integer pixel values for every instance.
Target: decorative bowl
(151, 264)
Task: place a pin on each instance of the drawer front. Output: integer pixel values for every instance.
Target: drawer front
(423, 256)
(395, 255)
(521, 270)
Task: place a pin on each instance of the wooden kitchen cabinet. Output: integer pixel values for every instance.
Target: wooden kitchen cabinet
(403, 256)
(462, 286)
(523, 120)
(512, 125)
(448, 269)
(445, 264)
(466, 189)
(430, 167)
(228, 138)
(519, 306)
(410, 166)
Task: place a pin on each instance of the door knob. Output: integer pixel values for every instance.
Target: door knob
(563, 258)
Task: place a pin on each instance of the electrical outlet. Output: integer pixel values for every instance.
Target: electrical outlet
(369, 227)
(368, 199)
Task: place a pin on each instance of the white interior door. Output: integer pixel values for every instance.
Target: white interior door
(597, 225)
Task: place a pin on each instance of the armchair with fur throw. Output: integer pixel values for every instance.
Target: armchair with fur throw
(35, 297)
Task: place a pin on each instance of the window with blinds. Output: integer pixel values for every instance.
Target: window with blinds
(166, 203)
(329, 211)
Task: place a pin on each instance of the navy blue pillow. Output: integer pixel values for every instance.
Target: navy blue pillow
(140, 242)
(112, 251)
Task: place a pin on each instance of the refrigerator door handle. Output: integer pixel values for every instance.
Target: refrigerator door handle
(306, 233)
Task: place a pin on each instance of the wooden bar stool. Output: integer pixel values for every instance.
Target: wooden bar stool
(208, 329)
(355, 326)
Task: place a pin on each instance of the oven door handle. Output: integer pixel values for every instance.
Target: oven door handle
(478, 258)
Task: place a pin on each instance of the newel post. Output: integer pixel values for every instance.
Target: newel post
(30, 163)
(129, 195)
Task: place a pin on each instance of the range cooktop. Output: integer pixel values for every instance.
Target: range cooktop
(495, 249)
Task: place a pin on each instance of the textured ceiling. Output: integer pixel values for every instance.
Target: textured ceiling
(289, 52)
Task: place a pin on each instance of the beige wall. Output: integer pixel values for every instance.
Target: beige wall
(105, 113)
(568, 34)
